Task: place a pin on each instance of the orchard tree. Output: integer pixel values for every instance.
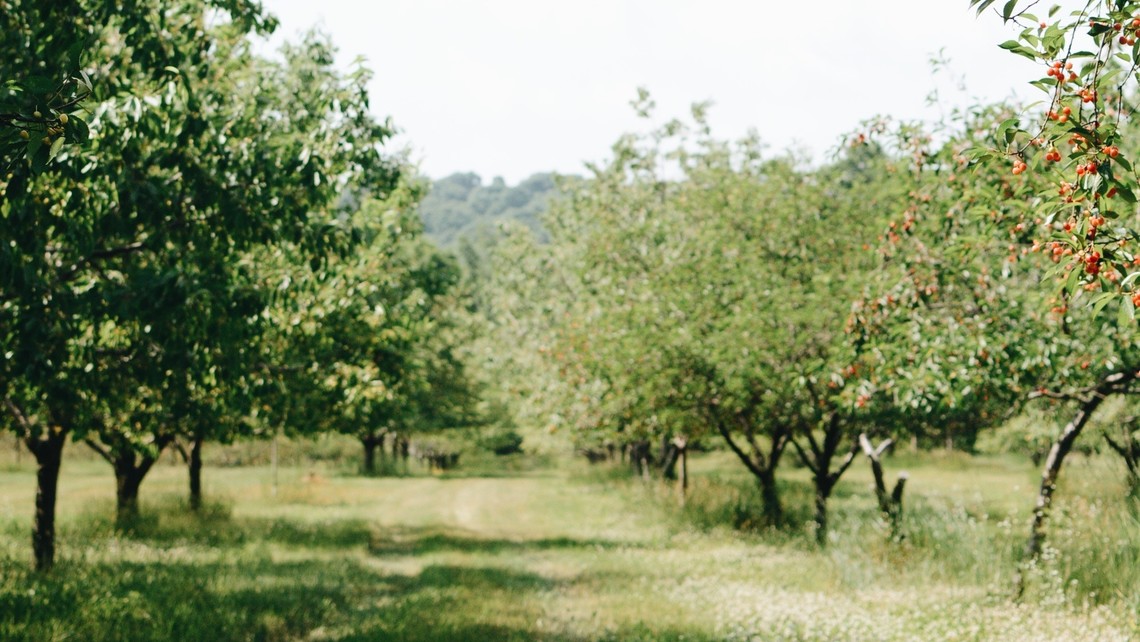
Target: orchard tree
(1071, 161)
(365, 345)
(711, 289)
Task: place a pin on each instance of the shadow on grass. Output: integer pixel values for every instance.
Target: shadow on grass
(214, 526)
(255, 598)
(179, 575)
(424, 541)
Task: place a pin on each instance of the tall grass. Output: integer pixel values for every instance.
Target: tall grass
(957, 535)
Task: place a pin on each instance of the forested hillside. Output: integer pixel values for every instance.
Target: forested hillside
(462, 205)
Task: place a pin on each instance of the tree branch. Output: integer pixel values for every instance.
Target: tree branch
(103, 452)
(18, 415)
(846, 463)
(803, 457)
(744, 458)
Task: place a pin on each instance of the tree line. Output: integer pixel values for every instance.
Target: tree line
(203, 243)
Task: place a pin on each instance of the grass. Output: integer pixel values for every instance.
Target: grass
(557, 550)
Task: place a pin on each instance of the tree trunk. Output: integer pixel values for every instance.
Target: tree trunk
(400, 450)
(369, 444)
(48, 451)
(822, 493)
(195, 466)
(1049, 475)
(669, 458)
(819, 457)
(130, 468)
(684, 471)
(127, 482)
(890, 503)
(1060, 448)
(273, 462)
(770, 495)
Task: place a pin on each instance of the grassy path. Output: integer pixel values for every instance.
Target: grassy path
(549, 555)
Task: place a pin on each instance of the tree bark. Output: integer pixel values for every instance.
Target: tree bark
(195, 466)
(640, 458)
(48, 451)
(401, 448)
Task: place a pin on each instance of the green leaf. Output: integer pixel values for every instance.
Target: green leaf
(56, 146)
(1007, 10)
(1101, 300)
(1026, 52)
(1127, 311)
(982, 5)
(1019, 49)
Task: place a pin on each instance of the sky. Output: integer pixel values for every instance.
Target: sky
(513, 87)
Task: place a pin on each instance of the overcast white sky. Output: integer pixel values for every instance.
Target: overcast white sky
(512, 87)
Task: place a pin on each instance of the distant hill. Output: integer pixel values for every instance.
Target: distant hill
(460, 205)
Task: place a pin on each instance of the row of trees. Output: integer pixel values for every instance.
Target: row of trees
(914, 286)
(206, 243)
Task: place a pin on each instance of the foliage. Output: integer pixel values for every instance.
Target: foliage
(1089, 222)
(502, 442)
(366, 344)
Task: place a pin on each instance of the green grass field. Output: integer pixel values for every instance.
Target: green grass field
(558, 550)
